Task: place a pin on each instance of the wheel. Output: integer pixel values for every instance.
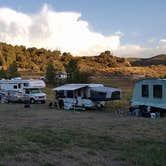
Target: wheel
(32, 101)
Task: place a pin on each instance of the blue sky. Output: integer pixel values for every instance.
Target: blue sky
(142, 22)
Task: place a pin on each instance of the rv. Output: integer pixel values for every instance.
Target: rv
(85, 95)
(61, 75)
(16, 89)
(149, 96)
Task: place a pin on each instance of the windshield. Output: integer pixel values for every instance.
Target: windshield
(33, 91)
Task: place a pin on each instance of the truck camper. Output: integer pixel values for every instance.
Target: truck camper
(15, 89)
(149, 96)
(86, 95)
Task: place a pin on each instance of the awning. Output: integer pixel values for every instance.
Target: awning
(70, 87)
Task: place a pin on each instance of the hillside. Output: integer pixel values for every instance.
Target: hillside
(156, 60)
(36, 60)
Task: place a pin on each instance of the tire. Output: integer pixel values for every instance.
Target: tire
(32, 101)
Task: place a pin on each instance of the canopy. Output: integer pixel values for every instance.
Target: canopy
(76, 86)
(70, 87)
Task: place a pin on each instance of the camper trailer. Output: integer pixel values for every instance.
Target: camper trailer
(149, 96)
(16, 89)
(85, 95)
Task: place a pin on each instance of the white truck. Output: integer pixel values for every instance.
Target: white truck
(16, 89)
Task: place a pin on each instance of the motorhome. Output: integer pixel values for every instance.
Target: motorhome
(86, 95)
(16, 89)
(149, 95)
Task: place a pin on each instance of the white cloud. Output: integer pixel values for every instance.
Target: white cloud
(129, 50)
(135, 34)
(65, 31)
(152, 40)
(52, 30)
(162, 44)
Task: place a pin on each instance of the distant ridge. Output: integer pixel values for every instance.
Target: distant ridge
(156, 60)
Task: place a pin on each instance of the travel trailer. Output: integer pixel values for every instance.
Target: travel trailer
(16, 89)
(61, 75)
(85, 95)
(58, 76)
(149, 95)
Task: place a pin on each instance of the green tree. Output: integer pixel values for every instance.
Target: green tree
(3, 74)
(12, 70)
(66, 58)
(74, 74)
(50, 73)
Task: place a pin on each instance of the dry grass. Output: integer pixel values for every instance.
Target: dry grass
(42, 136)
(39, 136)
(149, 71)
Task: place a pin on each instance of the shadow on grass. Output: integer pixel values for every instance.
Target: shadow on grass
(133, 152)
(144, 152)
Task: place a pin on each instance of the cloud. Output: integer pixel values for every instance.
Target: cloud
(50, 29)
(129, 49)
(162, 44)
(62, 30)
(152, 40)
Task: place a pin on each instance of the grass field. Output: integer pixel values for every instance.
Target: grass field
(39, 136)
(47, 137)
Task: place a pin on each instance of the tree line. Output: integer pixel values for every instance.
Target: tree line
(47, 61)
(37, 59)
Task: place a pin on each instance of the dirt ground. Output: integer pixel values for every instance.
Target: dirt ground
(120, 128)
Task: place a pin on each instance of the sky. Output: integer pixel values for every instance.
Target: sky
(129, 28)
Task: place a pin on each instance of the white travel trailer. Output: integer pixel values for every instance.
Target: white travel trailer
(16, 89)
(150, 94)
(85, 95)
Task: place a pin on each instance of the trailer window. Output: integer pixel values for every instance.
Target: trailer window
(59, 94)
(15, 86)
(157, 91)
(145, 91)
(79, 92)
(25, 84)
(95, 95)
(70, 94)
(19, 86)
